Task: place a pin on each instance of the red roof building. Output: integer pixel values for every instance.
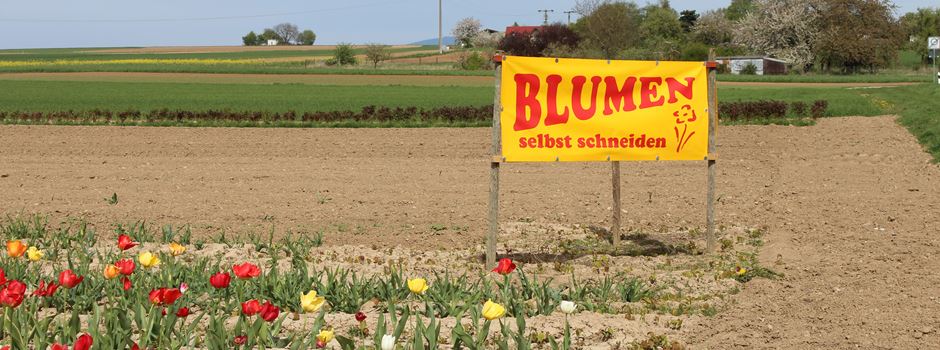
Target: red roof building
(521, 29)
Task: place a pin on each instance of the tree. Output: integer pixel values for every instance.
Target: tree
(918, 26)
(713, 28)
(785, 29)
(739, 9)
(377, 53)
(288, 32)
(858, 34)
(688, 18)
(538, 42)
(610, 28)
(487, 40)
(660, 22)
(465, 30)
(343, 55)
(308, 37)
(269, 34)
(251, 39)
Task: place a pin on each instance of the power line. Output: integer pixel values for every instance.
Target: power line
(569, 15)
(151, 20)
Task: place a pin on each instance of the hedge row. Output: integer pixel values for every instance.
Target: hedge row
(748, 110)
(466, 114)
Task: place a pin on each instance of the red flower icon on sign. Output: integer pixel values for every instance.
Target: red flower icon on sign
(684, 116)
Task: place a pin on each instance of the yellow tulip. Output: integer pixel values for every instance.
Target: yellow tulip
(177, 249)
(492, 311)
(34, 254)
(325, 336)
(310, 302)
(148, 259)
(418, 285)
(15, 249)
(111, 271)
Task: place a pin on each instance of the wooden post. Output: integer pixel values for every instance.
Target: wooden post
(615, 221)
(710, 245)
(496, 150)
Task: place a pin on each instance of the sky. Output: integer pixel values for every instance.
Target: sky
(119, 23)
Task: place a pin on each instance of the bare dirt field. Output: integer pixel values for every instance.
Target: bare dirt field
(849, 206)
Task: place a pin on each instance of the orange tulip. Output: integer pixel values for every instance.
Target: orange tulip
(111, 271)
(15, 249)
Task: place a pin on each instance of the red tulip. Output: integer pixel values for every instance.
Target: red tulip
(505, 266)
(182, 312)
(251, 307)
(360, 316)
(12, 294)
(135, 347)
(126, 266)
(246, 271)
(83, 343)
(3, 277)
(127, 283)
(321, 344)
(269, 312)
(45, 290)
(58, 346)
(69, 279)
(164, 296)
(125, 242)
(240, 339)
(220, 280)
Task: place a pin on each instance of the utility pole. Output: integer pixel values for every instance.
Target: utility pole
(569, 12)
(545, 12)
(440, 26)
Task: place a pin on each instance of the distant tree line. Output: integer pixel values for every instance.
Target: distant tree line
(828, 35)
(284, 33)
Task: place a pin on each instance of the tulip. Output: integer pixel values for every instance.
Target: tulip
(177, 249)
(741, 271)
(126, 266)
(360, 316)
(34, 254)
(492, 311)
(246, 271)
(388, 342)
(69, 279)
(45, 290)
(310, 302)
(126, 283)
(251, 307)
(58, 346)
(418, 285)
(84, 342)
(3, 277)
(148, 260)
(505, 266)
(15, 249)
(184, 287)
(164, 296)
(12, 294)
(269, 312)
(240, 339)
(220, 280)
(568, 306)
(125, 242)
(111, 271)
(324, 338)
(182, 312)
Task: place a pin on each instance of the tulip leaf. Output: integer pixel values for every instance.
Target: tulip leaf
(379, 331)
(345, 343)
(402, 322)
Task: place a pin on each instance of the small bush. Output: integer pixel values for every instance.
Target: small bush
(344, 55)
(798, 109)
(749, 69)
(472, 61)
(820, 108)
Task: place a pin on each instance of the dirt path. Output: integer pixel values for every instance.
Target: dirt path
(850, 206)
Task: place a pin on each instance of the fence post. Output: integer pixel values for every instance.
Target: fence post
(710, 245)
(615, 220)
(496, 150)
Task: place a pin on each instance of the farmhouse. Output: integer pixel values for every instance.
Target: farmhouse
(762, 65)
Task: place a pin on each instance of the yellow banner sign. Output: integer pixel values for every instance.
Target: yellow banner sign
(597, 110)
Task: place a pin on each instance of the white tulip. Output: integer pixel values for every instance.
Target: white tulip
(388, 342)
(568, 306)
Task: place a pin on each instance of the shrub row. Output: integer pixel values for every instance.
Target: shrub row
(748, 110)
(465, 114)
